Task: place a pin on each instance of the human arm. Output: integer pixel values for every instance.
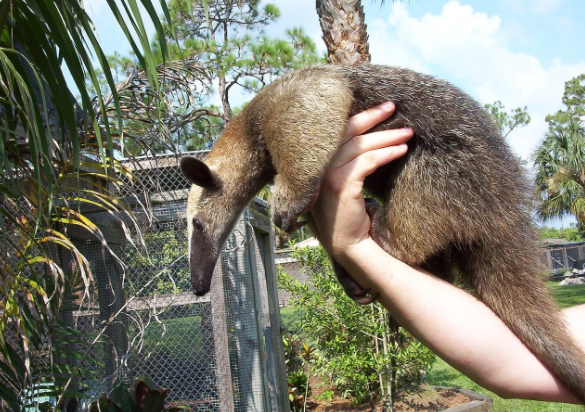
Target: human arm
(451, 322)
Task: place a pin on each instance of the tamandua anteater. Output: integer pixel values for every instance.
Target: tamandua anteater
(456, 204)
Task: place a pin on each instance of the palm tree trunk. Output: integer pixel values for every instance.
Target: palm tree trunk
(344, 30)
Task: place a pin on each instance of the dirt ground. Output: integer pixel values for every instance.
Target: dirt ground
(425, 400)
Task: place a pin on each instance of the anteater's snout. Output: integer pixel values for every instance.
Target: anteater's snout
(201, 282)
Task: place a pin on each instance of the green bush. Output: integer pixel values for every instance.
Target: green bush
(298, 389)
(356, 348)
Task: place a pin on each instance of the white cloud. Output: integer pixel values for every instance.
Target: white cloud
(469, 49)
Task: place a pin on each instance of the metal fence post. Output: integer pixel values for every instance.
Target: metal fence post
(260, 300)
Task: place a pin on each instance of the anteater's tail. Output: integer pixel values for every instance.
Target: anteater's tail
(506, 276)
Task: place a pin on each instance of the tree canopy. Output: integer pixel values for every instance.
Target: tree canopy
(560, 173)
(574, 100)
(220, 48)
(560, 160)
(507, 122)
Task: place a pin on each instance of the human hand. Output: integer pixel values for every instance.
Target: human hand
(340, 213)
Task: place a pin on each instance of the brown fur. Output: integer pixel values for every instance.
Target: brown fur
(456, 204)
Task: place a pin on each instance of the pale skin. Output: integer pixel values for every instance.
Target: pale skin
(451, 322)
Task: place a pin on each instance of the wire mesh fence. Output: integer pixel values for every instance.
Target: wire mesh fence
(219, 352)
(562, 257)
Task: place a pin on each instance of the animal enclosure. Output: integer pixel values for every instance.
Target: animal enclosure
(561, 257)
(220, 352)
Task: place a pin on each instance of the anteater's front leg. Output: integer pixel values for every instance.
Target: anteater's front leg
(302, 133)
(292, 199)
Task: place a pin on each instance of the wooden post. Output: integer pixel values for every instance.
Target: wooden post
(225, 390)
(260, 300)
(276, 330)
(263, 224)
(240, 309)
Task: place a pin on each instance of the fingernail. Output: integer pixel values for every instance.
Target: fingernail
(387, 106)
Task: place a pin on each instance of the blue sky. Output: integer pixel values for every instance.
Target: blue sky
(517, 51)
(520, 52)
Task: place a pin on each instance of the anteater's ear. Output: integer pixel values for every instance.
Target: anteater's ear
(199, 174)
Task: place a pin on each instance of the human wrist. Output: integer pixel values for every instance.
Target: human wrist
(350, 253)
(362, 260)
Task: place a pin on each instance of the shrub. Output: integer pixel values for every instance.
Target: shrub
(357, 348)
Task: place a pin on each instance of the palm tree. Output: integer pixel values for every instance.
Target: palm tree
(53, 154)
(344, 30)
(560, 173)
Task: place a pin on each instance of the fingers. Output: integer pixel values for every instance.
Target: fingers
(361, 154)
(349, 178)
(365, 164)
(364, 121)
(372, 141)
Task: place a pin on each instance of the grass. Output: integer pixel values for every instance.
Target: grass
(569, 295)
(291, 319)
(444, 375)
(174, 337)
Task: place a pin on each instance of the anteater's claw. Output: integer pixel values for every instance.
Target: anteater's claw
(364, 297)
(286, 221)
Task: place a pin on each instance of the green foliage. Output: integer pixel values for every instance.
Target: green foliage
(162, 264)
(560, 173)
(299, 389)
(54, 160)
(325, 395)
(299, 357)
(508, 121)
(571, 233)
(356, 349)
(292, 353)
(560, 159)
(574, 100)
(228, 42)
(219, 47)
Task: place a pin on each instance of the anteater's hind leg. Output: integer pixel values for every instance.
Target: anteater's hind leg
(350, 286)
(438, 262)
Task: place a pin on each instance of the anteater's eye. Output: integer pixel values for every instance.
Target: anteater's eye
(197, 225)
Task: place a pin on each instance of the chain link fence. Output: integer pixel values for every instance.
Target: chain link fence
(219, 352)
(561, 257)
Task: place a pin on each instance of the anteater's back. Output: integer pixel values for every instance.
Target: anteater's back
(459, 182)
(458, 204)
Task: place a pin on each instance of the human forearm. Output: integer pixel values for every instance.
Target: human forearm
(455, 325)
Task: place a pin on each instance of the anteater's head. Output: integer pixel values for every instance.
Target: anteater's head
(208, 220)
(223, 186)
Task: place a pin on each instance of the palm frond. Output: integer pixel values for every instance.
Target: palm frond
(48, 165)
(560, 172)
